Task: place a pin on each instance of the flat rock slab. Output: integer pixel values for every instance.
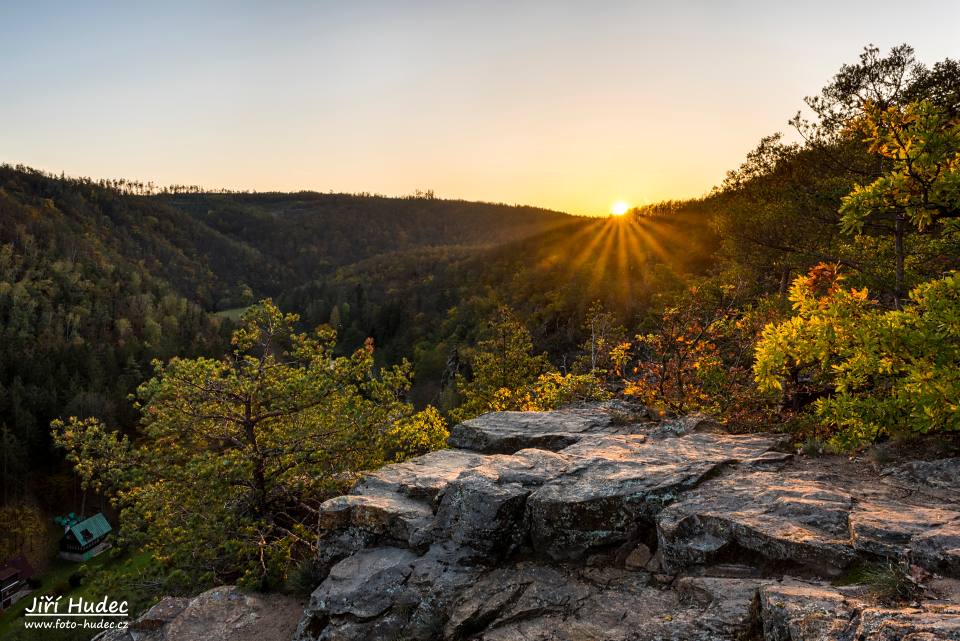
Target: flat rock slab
(796, 519)
(221, 614)
(805, 518)
(421, 478)
(795, 611)
(616, 485)
(509, 432)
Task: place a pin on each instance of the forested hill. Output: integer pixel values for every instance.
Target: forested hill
(208, 246)
(95, 282)
(308, 233)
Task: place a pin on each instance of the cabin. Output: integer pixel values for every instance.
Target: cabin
(83, 540)
(15, 575)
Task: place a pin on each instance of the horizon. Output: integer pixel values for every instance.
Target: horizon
(558, 106)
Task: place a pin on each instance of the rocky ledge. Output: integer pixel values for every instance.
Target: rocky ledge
(581, 524)
(220, 614)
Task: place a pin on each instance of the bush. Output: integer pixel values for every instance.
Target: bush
(76, 579)
(886, 372)
(697, 358)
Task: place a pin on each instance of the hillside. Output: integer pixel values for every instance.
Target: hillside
(95, 283)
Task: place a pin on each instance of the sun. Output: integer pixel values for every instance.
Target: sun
(619, 208)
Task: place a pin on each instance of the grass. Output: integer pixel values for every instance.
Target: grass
(115, 574)
(889, 582)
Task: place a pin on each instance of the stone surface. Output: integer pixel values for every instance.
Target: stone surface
(508, 432)
(572, 526)
(794, 611)
(638, 558)
(221, 614)
(795, 519)
(616, 485)
(807, 518)
(422, 478)
(392, 516)
(941, 474)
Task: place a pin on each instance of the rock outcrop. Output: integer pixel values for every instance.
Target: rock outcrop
(221, 614)
(576, 524)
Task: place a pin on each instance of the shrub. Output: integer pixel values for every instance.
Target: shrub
(886, 372)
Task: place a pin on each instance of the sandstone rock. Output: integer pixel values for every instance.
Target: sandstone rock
(533, 543)
(364, 585)
(697, 422)
(938, 549)
(387, 593)
(508, 432)
(940, 474)
(537, 602)
(421, 478)
(886, 528)
(160, 615)
(390, 515)
(483, 508)
(804, 612)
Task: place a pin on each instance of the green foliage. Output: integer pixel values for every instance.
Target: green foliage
(604, 334)
(506, 376)
(416, 434)
(887, 372)
(25, 532)
(236, 454)
(503, 367)
(922, 144)
(554, 390)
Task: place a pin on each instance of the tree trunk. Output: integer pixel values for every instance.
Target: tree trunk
(898, 248)
(784, 286)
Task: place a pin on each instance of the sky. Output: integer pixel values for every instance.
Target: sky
(566, 105)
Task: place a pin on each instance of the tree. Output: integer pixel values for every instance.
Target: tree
(13, 464)
(502, 364)
(235, 455)
(603, 333)
(920, 143)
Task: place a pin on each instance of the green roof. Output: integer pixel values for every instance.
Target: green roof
(89, 529)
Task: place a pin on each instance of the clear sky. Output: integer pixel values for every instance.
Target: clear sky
(568, 105)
